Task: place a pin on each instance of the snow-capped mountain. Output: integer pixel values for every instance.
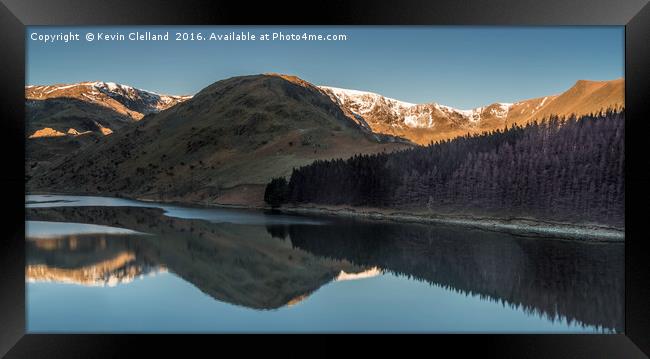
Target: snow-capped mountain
(364, 103)
(124, 99)
(89, 107)
(65, 117)
(423, 123)
(420, 123)
(387, 115)
(143, 101)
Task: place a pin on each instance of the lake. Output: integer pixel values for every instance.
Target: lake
(99, 265)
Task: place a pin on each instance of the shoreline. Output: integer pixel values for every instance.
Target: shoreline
(513, 225)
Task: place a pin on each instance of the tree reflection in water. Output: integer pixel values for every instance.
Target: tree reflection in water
(267, 267)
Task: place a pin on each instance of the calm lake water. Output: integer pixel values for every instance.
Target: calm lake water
(99, 264)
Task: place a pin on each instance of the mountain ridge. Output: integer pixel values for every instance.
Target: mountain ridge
(423, 123)
(223, 144)
(89, 107)
(128, 100)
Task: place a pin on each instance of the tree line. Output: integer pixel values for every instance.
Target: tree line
(559, 168)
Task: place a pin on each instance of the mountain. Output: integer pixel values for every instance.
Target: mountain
(583, 98)
(71, 109)
(222, 145)
(63, 118)
(423, 123)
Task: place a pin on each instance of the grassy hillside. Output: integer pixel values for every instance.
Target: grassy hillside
(221, 146)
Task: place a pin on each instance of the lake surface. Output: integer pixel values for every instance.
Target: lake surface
(98, 265)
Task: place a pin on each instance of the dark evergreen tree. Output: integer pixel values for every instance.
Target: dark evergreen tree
(276, 192)
(559, 168)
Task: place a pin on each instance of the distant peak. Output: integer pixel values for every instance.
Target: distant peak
(124, 99)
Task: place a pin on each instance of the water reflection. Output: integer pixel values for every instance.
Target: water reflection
(238, 264)
(556, 279)
(276, 265)
(87, 259)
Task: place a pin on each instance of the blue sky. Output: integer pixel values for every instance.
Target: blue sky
(462, 67)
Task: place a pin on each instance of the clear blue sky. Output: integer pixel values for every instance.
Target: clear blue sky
(462, 67)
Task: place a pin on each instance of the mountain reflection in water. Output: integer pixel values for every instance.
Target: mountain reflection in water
(238, 264)
(272, 266)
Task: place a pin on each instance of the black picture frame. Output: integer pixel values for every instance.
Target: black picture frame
(633, 14)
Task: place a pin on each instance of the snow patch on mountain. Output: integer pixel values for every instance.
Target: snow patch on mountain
(362, 102)
(150, 102)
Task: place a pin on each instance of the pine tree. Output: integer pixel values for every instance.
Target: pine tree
(557, 168)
